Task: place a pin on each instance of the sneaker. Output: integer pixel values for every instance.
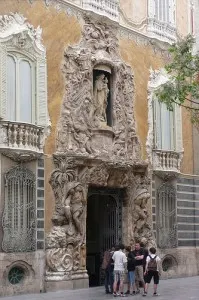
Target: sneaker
(156, 294)
(122, 295)
(144, 294)
(137, 292)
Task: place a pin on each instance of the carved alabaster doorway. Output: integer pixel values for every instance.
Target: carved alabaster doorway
(97, 146)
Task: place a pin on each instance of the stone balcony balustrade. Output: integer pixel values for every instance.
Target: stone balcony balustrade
(108, 8)
(168, 161)
(21, 139)
(165, 31)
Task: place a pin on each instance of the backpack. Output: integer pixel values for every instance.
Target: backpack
(152, 264)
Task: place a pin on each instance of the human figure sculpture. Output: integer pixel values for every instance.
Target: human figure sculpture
(74, 201)
(100, 94)
(140, 214)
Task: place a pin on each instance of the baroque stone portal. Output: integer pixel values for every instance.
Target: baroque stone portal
(92, 153)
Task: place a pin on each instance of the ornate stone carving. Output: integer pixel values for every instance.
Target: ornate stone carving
(67, 237)
(141, 227)
(24, 33)
(100, 94)
(83, 117)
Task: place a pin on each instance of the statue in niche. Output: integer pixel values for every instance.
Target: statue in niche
(100, 94)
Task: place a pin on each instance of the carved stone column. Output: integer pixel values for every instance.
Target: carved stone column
(65, 244)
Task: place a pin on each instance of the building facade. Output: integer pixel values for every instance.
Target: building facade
(88, 157)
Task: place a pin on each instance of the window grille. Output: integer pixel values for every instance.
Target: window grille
(166, 216)
(19, 217)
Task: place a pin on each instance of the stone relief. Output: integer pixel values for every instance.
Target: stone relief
(83, 120)
(67, 237)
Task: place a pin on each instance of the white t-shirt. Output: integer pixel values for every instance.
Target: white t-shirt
(120, 260)
(157, 259)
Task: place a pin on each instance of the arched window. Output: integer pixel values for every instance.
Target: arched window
(20, 88)
(23, 80)
(19, 211)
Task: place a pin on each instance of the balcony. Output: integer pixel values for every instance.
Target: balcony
(21, 141)
(108, 8)
(161, 30)
(167, 161)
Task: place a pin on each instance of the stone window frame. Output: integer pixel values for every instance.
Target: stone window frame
(157, 78)
(18, 36)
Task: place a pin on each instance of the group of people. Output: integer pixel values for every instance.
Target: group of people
(140, 264)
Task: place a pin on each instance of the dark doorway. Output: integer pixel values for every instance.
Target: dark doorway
(104, 228)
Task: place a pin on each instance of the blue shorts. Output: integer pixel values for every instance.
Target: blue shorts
(131, 277)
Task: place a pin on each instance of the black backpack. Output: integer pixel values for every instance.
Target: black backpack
(152, 264)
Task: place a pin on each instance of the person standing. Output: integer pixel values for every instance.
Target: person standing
(131, 272)
(107, 266)
(139, 274)
(153, 269)
(120, 266)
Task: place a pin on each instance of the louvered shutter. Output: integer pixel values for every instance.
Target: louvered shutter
(178, 129)
(41, 79)
(151, 9)
(3, 77)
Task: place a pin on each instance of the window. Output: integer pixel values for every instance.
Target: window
(164, 127)
(23, 80)
(166, 216)
(20, 88)
(162, 19)
(19, 212)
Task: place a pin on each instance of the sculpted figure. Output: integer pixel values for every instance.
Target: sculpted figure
(140, 214)
(74, 201)
(100, 93)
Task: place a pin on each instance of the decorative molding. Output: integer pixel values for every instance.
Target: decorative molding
(23, 34)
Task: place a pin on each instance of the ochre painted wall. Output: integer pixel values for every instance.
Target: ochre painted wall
(140, 58)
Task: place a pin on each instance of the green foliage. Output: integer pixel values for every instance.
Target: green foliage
(183, 86)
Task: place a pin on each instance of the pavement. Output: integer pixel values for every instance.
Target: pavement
(171, 289)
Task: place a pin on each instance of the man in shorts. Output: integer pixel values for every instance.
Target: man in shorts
(120, 270)
(153, 268)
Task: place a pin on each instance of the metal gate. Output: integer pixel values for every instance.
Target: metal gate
(109, 203)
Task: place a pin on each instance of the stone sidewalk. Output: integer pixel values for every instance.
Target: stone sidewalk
(174, 289)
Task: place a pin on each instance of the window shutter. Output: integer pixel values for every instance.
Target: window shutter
(157, 125)
(42, 113)
(151, 9)
(3, 76)
(178, 131)
(172, 7)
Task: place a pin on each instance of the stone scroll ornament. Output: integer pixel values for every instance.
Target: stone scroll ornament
(83, 113)
(66, 241)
